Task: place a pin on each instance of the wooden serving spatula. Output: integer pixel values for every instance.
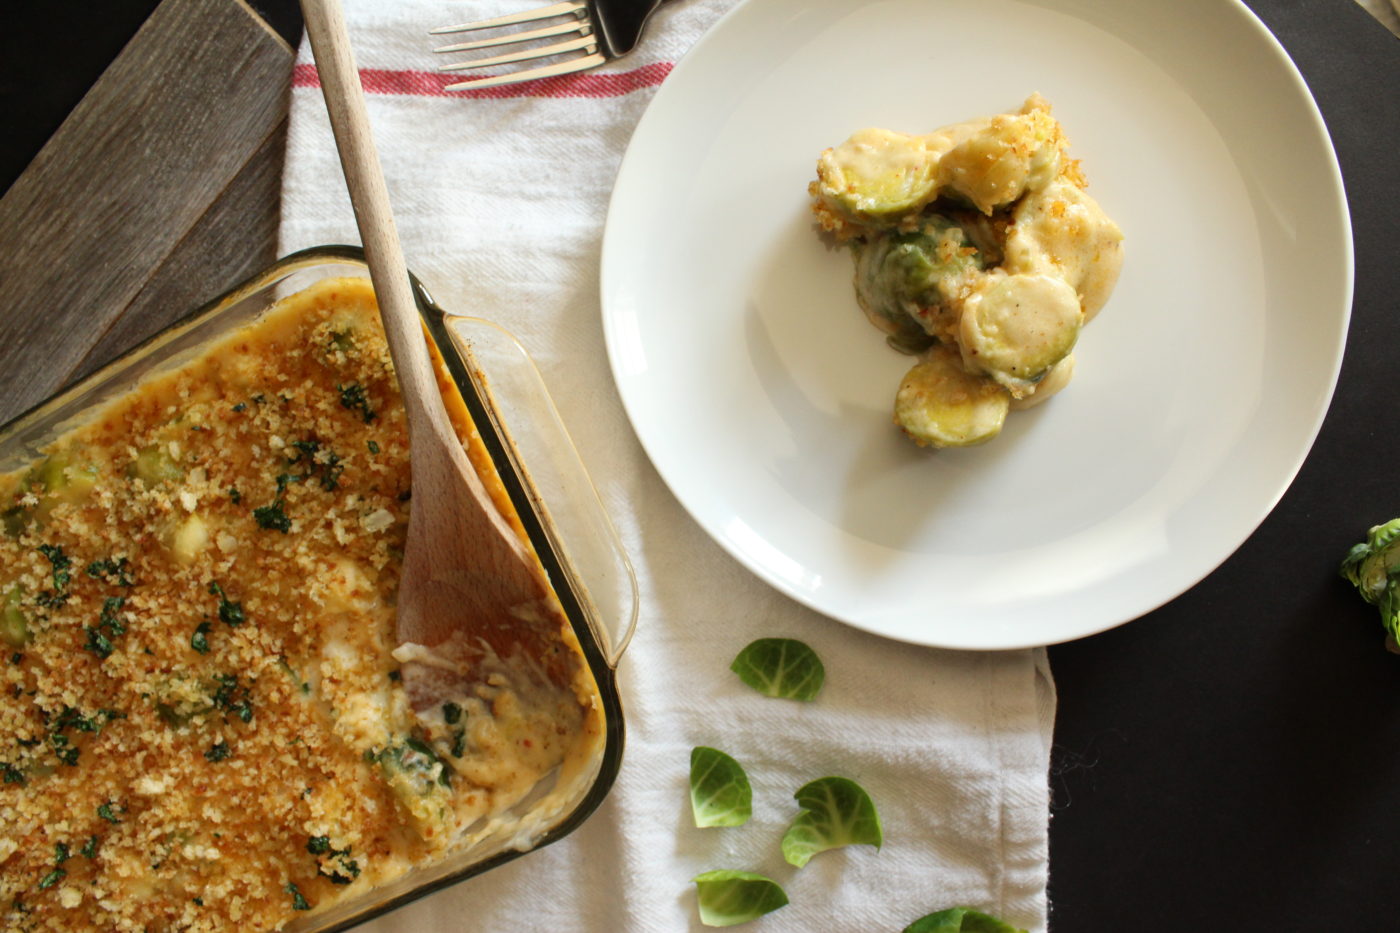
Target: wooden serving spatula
(469, 584)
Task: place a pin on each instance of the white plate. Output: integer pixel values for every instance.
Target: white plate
(763, 397)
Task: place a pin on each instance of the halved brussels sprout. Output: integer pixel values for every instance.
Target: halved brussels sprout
(898, 275)
(1014, 153)
(1015, 328)
(878, 175)
(940, 404)
(154, 465)
(14, 624)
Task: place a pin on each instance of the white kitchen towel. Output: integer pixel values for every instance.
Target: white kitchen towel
(500, 198)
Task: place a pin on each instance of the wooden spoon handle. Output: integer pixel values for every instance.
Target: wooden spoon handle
(369, 196)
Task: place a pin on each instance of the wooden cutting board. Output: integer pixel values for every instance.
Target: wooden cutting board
(157, 193)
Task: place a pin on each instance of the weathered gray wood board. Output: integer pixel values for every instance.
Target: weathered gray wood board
(158, 192)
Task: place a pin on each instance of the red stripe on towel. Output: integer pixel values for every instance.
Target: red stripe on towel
(431, 83)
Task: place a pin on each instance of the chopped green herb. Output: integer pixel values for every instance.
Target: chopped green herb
(273, 517)
(109, 626)
(355, 398)
(52, 878)
(395, 676)
(199, 641)
(318, 845)
(298, 902)
(230, 697)
(234, 495)
(119, 569)
(373, 446)
(451, 713)
(105, 812)
(230, 612)
(219, 752)
(89, 849)
(62, 575)
(323, 466)
(198, 901)
(98, 643)
(459, 742)
(241, 407)
(109, 618)
(12, 775)
(61, 853)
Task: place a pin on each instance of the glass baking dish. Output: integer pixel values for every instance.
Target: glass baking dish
(539, 468)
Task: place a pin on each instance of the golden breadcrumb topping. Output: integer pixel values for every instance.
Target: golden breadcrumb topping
(202, 726)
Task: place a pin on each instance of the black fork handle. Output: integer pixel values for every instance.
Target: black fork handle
(619, 23)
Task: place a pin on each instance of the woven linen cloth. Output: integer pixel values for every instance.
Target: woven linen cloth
(500, 198)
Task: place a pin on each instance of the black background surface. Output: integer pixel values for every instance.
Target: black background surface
(1231, 761)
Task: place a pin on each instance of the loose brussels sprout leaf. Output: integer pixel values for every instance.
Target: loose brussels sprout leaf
(728, 897)
(836, 812)
(719, 789)
(1373, 567)
(780, 667)
(960, 920)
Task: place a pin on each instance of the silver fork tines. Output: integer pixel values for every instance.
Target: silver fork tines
(575, 16)
(606, 30)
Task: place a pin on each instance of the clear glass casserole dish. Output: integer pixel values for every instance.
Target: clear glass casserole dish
(541, 474)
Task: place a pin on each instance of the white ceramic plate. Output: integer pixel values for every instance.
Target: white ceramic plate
(763, 396)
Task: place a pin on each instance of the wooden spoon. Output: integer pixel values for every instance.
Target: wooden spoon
(468, 581)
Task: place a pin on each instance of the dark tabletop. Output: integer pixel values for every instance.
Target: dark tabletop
(1230, 762)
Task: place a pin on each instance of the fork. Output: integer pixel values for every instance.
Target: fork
(602, 30)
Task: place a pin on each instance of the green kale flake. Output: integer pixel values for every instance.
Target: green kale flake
(52, 878)
(199, 641)
(105, 812)
(219, 752)
(298, 901)
(109, 569)
(62, 576)
(355, 398)
(273, 517)
(233, 698)
(230, 612)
